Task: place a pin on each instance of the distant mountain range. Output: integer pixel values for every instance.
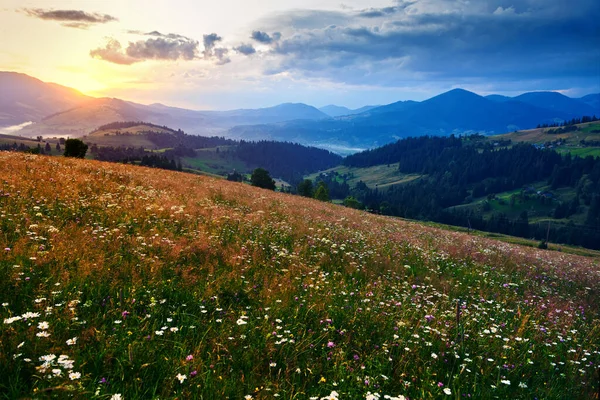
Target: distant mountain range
(60, 111)
(337, 111)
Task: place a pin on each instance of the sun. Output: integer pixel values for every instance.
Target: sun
(86, 84)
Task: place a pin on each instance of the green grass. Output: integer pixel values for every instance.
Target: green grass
(117, 279)
(380, 176)
(572, 139)
(581, 151)
(208, 160)
(117, 141)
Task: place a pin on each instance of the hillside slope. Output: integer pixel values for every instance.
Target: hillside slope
(156, 283)
(24, 98)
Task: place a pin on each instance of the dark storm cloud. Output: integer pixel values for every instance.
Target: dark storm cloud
(70, 18)
(518, 39)
(245, 49)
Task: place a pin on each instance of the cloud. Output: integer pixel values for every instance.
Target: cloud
(209, 43)
(70, 18)
(212, 52)
(113, 52)
(162, 48)
(245, 49)
(261, 37)
(439, 40)
(159, 47)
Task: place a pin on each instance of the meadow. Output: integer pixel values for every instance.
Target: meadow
(123, 282)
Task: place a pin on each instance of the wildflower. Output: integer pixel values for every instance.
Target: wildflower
(116, 397)
(28, 315)
(74, 375)
(57, 371)
(193, 373)
(522, 385)
(506, 382)
(434, 356)
(189, 358)
(273, 364)
(181, 378)
(332, 396)
(447, 391)
(159, 333)
(330, 344)
(174, 329)
(241, 322)
(42, 334)
(43, 325)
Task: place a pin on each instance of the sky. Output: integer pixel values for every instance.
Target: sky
(229, 54)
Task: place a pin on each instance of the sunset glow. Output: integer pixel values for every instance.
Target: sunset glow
(263, 52)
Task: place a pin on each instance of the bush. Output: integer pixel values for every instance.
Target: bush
(75, 148)
(261, 178)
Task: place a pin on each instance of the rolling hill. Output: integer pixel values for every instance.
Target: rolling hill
(163, 284)
(61, 111)
(457, 111)
(25, 98)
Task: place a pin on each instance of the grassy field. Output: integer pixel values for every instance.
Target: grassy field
(587, 131)
(125, 282)
(380, 176)
(132, 130)
(116, 141)
(209, 160)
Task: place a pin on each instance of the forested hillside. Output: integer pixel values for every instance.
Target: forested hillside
(460, 171)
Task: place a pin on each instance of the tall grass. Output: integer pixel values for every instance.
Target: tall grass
(120, 280)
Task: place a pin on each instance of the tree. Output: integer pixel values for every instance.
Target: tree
(58, 147)
(48, 149)
(305, 188)
(235, 176)
(322, 192)
(75, 148)
(261, 178)
(353, 203)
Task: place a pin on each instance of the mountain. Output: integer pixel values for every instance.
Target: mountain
(60, 111)
(80, 120)
(25, 98)
(497, 97)
(337, 111)
(456, 111)
(593, 100)
(556, 101)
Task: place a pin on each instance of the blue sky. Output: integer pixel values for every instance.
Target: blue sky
(257, 53)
